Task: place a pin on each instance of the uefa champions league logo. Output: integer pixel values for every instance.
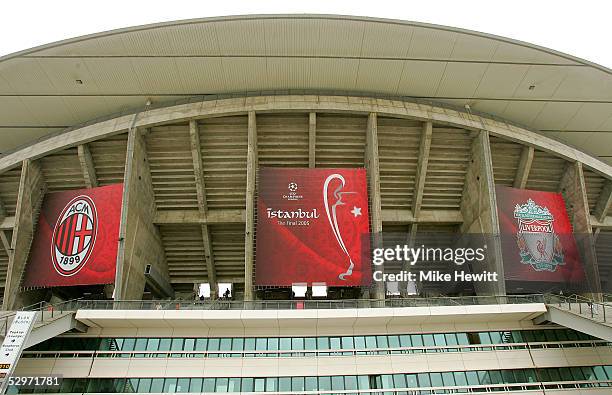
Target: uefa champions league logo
(536, 238)
(74, 236)
(293, 187)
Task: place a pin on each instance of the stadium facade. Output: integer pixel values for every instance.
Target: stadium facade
(153, 141)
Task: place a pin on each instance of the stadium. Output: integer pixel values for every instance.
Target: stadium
(160, 227)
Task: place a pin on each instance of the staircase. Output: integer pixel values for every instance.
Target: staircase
(579, 313)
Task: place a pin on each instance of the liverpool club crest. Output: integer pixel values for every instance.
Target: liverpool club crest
(536, 238)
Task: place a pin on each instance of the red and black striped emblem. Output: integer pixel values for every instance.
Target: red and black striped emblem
(74, 235)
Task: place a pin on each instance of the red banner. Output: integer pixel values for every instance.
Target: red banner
(76, 238)
(537, 239)
(312, 226)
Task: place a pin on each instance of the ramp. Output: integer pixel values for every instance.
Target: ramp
(48, 324)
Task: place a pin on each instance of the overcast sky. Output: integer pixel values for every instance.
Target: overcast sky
(580, 28)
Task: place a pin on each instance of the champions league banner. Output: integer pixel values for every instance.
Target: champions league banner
(540, 252)
(76, 238)
(311, 225)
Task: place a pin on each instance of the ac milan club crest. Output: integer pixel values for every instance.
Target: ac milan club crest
(538, 243)
(74, 236)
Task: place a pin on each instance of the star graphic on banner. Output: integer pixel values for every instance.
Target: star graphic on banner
(356, 211)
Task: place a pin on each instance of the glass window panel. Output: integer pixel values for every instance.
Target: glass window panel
(201, 344)
(451, 339)
(128, 344)
(237, 344)
(577, 373)
(347, 342)
(360, 342)
(323, 343)
(80, 385)
(405, 341)
(428, 340)
(157, 385)
(153, 344)
(213, 344)
(164, 344)
(233, 384)
(169, 385)
(325, 383)
(209, 385)
(550, 335)
(310, 343)
(394, 341)
(462, 339)
(561, 334)
(600, 373)
(370, 341)
(297, 343)
(484, 337)
(530, 375)
(472, 377)
(424, 380)
(284, 384)
(271, 384)
(249, 344)
(543, 375)
(334, 343)
(495, 376)
(273, 344)
(508, 376)
(439, 339)
(519, 376)
(297, 384)
(144, 385)
(436, 379)
(196, 384)
(483, 377)
(261, 344)
(337, 383)
(399, 380)
(221, 384)
(225, 344)
(140, 345)
(182, 385)
(517, 337)
(350, 383)
(285, 343)
(260, 385)
(448, 379)
(311, 384)
(539, 336)
(248, 384)
(189, 344)
(382, 341)
(363, 381)
(496, 337)
(608, 369)
(177, 344)
(554, 375)
(411, 381)
(460, 378)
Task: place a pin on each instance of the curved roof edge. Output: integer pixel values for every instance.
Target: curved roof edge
(304, 16)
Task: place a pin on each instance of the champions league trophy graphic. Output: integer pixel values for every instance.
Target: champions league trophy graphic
(333, 220)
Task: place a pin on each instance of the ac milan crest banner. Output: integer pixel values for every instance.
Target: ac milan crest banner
(312, 227)
(76, 238)
(537, 240)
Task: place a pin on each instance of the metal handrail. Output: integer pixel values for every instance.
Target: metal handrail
(581, 305)
(221, 304)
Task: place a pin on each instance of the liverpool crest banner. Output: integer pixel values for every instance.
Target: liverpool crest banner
(312, 227)
(76, 238)
(537, 240)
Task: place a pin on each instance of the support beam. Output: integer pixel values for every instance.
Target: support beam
(421, 173)
(479, 209)
(29, 199)
(211, 217)
(312, 139)
(7, 223)
(573, 189)
(249, 233)
(403, 217)
(5, 237)
(373, 167)
(198, 170)
(139, 239)
(522, 173)
(87, 166)
(604, 202)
